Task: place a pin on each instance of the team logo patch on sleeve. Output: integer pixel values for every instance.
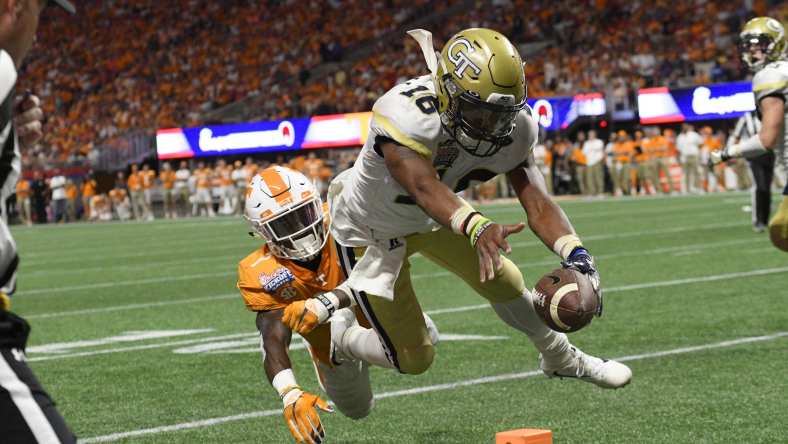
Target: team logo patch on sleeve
(271, 282)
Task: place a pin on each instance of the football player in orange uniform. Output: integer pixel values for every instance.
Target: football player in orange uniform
(294, 284)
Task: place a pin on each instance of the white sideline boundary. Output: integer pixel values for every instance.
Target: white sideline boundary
(425, 389)
(622, 288)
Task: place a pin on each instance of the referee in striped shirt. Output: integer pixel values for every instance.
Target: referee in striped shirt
(762, 168)
(27, 413)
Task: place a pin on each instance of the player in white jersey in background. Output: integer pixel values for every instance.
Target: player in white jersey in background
(763, 49)
(429, 138)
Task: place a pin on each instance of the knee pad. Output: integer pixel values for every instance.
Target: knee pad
(415, 360)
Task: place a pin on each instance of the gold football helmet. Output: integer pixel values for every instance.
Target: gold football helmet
(480, 84)
(762, 41)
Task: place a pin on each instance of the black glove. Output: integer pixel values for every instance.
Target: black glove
(580, 260)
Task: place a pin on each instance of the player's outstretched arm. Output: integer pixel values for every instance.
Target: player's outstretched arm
(305, 315)
(417, 176)
(546, 219)
(549, 222)
(772, 110)
(299, 407)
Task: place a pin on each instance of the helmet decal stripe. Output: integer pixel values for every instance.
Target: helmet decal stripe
(277, 187)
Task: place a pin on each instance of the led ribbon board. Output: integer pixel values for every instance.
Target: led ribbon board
(329, 131)
(555, 113)
(703, 102)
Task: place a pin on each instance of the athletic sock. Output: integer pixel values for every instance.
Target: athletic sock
(520, 314)
(364, 344)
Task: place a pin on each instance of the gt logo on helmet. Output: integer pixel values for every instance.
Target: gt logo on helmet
(460, 59)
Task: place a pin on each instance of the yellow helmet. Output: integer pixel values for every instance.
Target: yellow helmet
(480, 84)
(764, 37)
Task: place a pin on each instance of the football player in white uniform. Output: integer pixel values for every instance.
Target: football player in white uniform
(429, 138)
(763, 50)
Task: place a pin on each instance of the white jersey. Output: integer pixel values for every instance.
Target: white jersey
(182, 178)
(372, 206)
(772, 80)
(240, 177)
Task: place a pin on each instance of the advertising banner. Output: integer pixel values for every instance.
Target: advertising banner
(704, 102)
(255, 137)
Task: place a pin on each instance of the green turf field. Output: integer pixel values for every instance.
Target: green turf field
(140, 336)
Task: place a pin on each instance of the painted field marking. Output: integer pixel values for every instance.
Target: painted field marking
(415, 276)
(156, 280)
(427, 389)
(646, 285)
(500, 209)
(128, 336)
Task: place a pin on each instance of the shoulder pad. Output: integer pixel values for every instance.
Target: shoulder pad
(408, 114)
(770, 81)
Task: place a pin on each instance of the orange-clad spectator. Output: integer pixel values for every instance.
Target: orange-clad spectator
(167, 179)
(203, 201)
(23, 202)
(100, 208)
(88, 191)
(134, 184)
(658, 149)
(297, 163)
(148, 178)
(72, 194)
(644, 166)
(225, 188)
(623, 156)
(714, 181)
(120, 202)
(580, 163)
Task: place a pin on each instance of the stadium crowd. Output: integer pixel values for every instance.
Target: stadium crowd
(96, 87)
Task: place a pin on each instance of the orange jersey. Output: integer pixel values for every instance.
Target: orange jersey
(117, 195)
(89, 188)
(148, 179)
(656, 147)
(579, 157)
(297, 163)
(643, 155)
(712, 143)
(267, 282)
(71, 192)
(225, 176)
(134, 182)
(203, 178)
(22, 189)
(167, 179)
(623, 151)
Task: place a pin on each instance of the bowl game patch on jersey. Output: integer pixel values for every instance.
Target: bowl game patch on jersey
(271, 282)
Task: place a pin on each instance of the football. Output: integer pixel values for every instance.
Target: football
(565, 299)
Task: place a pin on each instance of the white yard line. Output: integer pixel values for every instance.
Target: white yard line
(68, 288)
(622, 288)
(415, 276)
(425, 389)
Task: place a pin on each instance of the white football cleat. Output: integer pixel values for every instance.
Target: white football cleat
(602, 372)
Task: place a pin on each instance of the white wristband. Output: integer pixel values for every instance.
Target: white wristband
(752, 147)
(284, 381)
(458, 218)
(565, 244)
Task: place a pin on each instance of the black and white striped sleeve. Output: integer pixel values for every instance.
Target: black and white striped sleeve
(9, 171)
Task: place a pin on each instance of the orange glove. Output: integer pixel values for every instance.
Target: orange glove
(301, 415)
(304, 316)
